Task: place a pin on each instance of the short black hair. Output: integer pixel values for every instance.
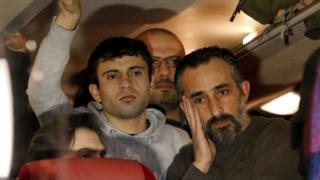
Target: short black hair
(203, 56)
(55, 137)
(116, 47)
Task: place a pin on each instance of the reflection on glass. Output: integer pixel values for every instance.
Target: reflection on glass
(6, 122)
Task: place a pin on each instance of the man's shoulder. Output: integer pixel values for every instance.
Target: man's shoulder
(157, 120)
(272, 130)
(273, 124)
(177, 132)
(59, 110)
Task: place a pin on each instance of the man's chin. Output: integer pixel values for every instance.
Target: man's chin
(165, 99)
(222, 136)
(163, 91)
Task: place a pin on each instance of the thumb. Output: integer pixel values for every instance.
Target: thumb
(68, 2)
(212, 147)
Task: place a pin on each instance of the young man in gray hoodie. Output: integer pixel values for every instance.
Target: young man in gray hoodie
(119, 70)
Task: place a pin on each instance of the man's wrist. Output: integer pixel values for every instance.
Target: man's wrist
(14, 49)
(68, 23)
(203, 167)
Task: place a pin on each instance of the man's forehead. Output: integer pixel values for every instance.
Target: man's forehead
(124, 62)
(215, 67)
(164, 46)
(206, 76)
(166, 50)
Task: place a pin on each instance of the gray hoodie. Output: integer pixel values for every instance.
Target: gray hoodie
(155, 147)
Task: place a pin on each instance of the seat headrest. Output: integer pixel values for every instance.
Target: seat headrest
(85, 168)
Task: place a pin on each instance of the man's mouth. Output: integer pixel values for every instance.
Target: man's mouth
(220, 121)
(164, 86)
(128, 98)
(220, 124)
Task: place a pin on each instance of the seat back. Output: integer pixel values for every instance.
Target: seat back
(85, 168)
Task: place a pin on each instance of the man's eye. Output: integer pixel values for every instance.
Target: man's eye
(155, 63)
(199, 100)
(172, 62)
(111, 76)
(102, 153)
(224, 92)
(85, 155)
(136, 73)
(85, 152)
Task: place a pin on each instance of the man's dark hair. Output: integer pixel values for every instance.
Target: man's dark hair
(203, 56)
(116, 47)
(52, 139)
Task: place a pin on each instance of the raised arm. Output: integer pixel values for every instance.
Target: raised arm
(44, 86)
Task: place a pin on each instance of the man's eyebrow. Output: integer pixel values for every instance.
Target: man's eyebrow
(173, 56)
(199, 93)
(221, 86)
(110, 71)
(136, 67)
(86, 150)
(196, 94)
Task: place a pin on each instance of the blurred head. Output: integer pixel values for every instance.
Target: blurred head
(75, 135)
(119, 70)
(211, 78)
(166, 50)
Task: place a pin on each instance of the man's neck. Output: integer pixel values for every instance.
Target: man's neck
(246, 122)
(135, 125)
(174, 114)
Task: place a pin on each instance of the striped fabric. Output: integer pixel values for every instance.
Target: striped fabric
(312, 132)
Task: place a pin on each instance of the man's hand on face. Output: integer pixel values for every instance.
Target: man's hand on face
(70, 13)
(204, 149)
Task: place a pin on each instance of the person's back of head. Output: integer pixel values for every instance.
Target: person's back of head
(61, 138)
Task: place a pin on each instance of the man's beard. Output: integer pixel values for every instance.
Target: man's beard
(225, 136)
(165, 99)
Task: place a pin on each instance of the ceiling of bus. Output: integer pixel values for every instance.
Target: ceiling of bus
(197, 23)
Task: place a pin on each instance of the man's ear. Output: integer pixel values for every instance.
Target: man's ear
(94, 91)
(151, 83)
(245, 88)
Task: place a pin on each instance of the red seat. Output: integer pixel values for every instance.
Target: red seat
(85, 168)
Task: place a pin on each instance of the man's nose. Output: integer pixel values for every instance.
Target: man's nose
(162, 69)
(125, 81)
(215, 106)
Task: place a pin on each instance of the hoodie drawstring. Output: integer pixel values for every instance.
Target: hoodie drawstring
(149, 141)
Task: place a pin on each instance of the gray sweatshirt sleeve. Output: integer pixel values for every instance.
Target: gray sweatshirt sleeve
(44, 86)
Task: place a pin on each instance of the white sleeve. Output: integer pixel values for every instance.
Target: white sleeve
(44, 86)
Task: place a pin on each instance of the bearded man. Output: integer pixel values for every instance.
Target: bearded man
(228, 144)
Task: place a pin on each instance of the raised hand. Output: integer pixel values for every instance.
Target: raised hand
(70, 13)
(204, 149)
(16, 42)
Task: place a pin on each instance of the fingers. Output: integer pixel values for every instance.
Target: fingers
(198, 124)
(188, 110)
(212, 147)
(70, 12)
(71, 5)
(204, 150)
(68, 2)
(16, 42)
